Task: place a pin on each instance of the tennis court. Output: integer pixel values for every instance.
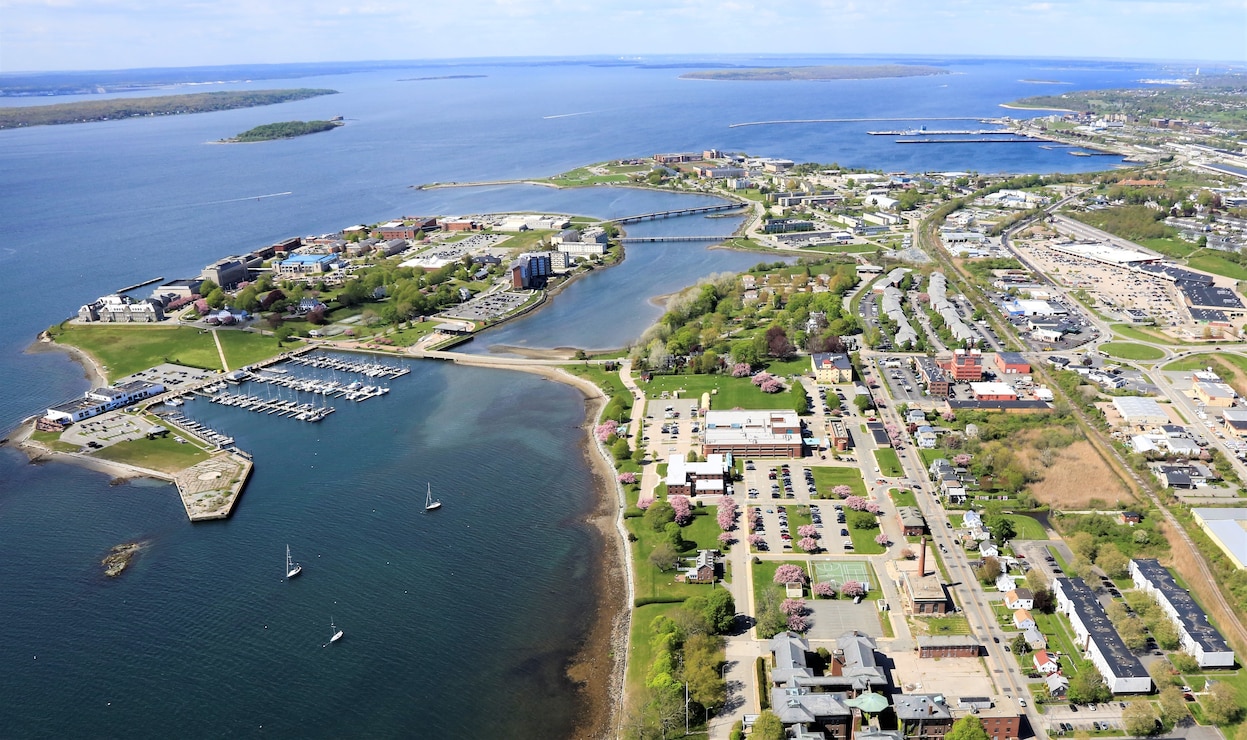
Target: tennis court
(837, 572)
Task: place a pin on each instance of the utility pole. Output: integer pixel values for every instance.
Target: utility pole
(686, 707)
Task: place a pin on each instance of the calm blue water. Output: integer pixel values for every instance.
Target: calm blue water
(477, 607)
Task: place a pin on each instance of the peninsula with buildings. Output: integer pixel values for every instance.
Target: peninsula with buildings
(971, 463)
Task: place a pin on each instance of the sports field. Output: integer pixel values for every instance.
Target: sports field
(837, 572)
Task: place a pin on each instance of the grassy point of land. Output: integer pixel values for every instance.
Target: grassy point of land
(725, 392)
(164, 454)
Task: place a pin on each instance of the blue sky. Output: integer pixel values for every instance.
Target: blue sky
(114, 34)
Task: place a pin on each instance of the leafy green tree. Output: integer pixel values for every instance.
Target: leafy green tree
(1166, 635)
(664, 557)
(800, 401)
(1183, 663)
(215, 299)
(1173, 707)
(1221, 705)
(283, 334)
(702, 657)
(1020, 645)
(1111, 560)
(716, 608)
(207, 287)
(676, 537)
(1001, 527)
(769, 727)
(658, 515)
(863, 402)
(1139, 719)
(1088, 686)
(969, 727)
(989, 571)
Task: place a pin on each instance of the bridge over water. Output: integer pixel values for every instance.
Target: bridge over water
(679, 212)
(651, 239)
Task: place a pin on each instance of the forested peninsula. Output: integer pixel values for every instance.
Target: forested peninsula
(88, 111)
(836, 72)
(283, 130)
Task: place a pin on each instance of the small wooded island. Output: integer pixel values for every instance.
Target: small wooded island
(283, 130)
(836, 72)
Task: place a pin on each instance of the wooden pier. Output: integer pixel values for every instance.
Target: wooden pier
(283, 408)
(367, 369)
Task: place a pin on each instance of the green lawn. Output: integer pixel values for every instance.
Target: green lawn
(864, 540)
(1130, 351)
(1056, 628)
(826, 478)
(889, 463)
(1199, 362)
(953, 624)
(795, 366)
(726, 392)
(163, 454)
(1170, 246)
(903, 498)
(641, 652)
(125, 350)
(246, 347)
(930, 456)
(1028, 528)
(1142, 333)
(653, 583)
(1212, 261)
(608, 381)
(764, 576)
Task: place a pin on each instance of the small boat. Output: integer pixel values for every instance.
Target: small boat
(335, 634)
(429, 503)
(292, 568)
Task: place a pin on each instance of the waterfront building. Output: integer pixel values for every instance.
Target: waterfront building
(306, 264)
(530, 270)
(100, 400)
(227, 273)
(686, 478)
(753, 433)
(1199, 638)
(1095, 634)
(122, 309)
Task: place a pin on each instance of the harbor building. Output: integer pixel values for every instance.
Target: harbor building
(100, 400)
(531, 270)
(1094, 633)
(755, 433)
(686, 478)
(306, 264)
(227, 273)
(1199, 638)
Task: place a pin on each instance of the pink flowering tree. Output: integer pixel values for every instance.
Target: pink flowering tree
(798, 622)
(788, 573)
(824, 590)
(872, 507)
(644, 502)
(856, 503)
(683, 509)
(741, 370)
(605, 430)
(851, 589)
(948, 416)
(882, 539)
(809, 544)
(727, 520)
(796, 610)
(762, 377)
(843, 491)
(628, 477)
(808, 530)
(961, 460)
(726, 538)
(772, 386)
(756, 540)
(727, 503)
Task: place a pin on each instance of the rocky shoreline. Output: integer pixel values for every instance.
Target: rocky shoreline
(119, 558)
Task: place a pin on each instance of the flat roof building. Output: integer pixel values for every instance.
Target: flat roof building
(1228, 529)
(1138, 411)
(993, 392)
(1095, 634)
(1199, 638)
(755, 433)
(1008, 363)
(1215, 394)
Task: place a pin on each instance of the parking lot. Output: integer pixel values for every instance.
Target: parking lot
(779, 498)
(484, 307)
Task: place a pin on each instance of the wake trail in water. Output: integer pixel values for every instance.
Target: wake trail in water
(176, 206)
(567, 115)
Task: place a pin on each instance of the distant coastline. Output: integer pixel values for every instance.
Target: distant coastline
(829, 72)
(441, 77)
(283, 130)
(92, 111)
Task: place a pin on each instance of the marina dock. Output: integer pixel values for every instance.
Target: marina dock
(367, 369)
(283, 408)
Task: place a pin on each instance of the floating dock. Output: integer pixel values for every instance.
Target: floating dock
(287, 409)
(355, 391)
(368, 369)
(967, 141)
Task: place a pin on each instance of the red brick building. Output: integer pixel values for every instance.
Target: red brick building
(964, 365)
(1011, 363)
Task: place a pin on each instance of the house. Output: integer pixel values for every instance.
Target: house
(1020, 598)
(1130, 517)
(1057, 685)
(926, 437)
(1004, 583)
(1045, 663)
(703, 569)
(915, 416)
(1034, 638)
(831, 368)
(1022, 619)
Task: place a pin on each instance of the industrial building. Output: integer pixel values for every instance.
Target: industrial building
(755, 433)
(1140, 412)
(1199, 638)
(1011, 363)
(1228, 529)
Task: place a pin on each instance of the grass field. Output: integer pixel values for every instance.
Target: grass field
(930, 456)
(163, 454)
(1231, 367)
(639, 643)
(245, 347)
(124, 350)
(726, 392)
(764, 576)
(827, 478)
(1170, 246)
(1211, 261)
(1142, 334)
(1130, 351)
(903, 498)
(609, 382)
(1028, 528)
(864, 540)
(953, 624)
(1074, 478)
(653, 583)
(889, 463)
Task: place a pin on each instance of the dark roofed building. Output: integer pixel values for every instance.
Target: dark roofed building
(1199, 638)
(1020, 406)
(923, 716)
(1095, 634)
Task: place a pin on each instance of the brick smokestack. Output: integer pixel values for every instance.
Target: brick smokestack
(922, 558)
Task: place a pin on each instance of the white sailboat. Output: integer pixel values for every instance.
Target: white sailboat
(335, 634)
(292, 568)
(429, 503)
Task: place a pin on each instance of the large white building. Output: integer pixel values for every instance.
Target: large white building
(753, 433)
(99, 400)
(1199, 638)
(1094, 633)
(1138, 411)
(1228, 529)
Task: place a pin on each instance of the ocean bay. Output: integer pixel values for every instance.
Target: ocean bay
(180, 640)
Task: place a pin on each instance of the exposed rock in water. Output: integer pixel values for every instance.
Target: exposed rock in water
(119, 557)
(120, 481)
